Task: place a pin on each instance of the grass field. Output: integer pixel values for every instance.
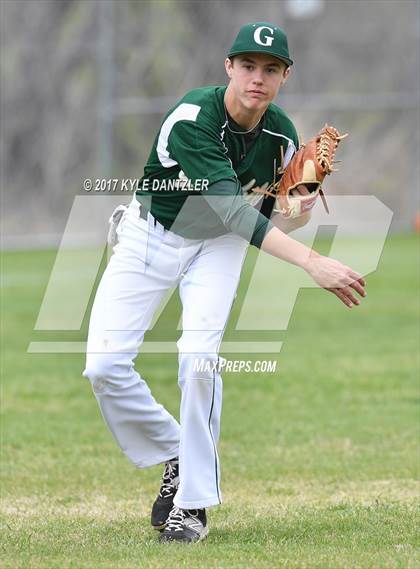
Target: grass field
(319, 460)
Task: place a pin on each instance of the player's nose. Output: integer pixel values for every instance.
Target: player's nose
(257, 78)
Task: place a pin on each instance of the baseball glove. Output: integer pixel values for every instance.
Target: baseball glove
(308, 167)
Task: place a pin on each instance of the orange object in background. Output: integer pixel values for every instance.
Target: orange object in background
(417, 222)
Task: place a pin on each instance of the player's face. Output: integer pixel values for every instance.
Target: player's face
(256, 79)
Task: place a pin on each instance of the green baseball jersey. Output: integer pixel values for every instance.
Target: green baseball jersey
(201, 165)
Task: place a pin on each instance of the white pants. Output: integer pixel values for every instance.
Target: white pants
(148, 261)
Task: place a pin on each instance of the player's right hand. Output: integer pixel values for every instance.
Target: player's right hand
(337, 278)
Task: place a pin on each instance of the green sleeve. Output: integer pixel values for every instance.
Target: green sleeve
(238, 216)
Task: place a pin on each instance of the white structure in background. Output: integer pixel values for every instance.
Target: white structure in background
(304, 8)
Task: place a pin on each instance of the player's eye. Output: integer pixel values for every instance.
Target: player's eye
(249, 67)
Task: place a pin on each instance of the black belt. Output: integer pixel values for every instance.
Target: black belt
(143, 212)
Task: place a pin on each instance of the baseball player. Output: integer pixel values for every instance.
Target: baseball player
(190, 224)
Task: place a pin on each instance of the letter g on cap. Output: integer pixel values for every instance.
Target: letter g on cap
(268, 38)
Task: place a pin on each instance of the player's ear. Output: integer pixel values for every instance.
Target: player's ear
(286, 72)
(228, 67)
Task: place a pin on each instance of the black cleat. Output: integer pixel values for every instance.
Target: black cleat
(165, 499)
(186, 526)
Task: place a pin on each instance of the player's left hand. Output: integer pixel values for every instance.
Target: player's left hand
(300, 191)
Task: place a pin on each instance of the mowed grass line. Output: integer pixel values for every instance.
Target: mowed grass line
(319, 460)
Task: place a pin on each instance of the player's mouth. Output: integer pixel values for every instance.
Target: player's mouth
(256, 93)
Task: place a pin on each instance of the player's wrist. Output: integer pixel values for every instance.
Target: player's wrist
(309, 261)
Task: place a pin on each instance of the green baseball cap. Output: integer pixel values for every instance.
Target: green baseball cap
(262, 37)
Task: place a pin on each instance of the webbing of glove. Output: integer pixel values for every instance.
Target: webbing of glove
(308, 167)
